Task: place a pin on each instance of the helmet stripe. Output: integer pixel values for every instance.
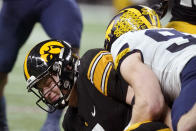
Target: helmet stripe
(108, 31)
(25, 67)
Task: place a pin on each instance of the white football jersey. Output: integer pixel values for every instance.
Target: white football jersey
(166, 51)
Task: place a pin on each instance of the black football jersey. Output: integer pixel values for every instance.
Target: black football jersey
(97, 86)
(184, 10)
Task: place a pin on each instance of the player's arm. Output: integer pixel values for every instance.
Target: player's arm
(186, 122)
(149, 101)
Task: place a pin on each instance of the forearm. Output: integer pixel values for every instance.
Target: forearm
(149, 100)
(130, 96)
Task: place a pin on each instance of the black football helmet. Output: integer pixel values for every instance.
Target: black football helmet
(51, 57)
(132, 18)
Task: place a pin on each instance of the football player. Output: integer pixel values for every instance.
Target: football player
(95, 92)
(56, 76)
(183, 16)
(61, 19)
(134, 38)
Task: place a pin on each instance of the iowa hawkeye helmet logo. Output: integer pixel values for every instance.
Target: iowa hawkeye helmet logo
(49, 49)
(40, 57)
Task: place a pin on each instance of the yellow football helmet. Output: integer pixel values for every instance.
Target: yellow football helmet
(132, 18)
(120, 4)
(51, 57)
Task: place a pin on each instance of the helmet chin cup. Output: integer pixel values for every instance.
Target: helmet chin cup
(50, 108)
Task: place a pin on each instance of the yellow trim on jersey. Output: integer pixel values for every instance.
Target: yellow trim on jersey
(106, 81)
(182, 26)
(99, 70)
(166, 129)
(25, 67)
(119, 56)
(136, 125)
(89, 70)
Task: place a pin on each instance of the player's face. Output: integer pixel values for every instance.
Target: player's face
(49, 88)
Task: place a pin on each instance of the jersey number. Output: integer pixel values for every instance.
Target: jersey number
(158, 36)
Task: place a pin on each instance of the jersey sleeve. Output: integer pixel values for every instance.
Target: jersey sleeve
(120, 50)
(99, 70)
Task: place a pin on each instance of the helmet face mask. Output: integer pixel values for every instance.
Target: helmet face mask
(132, 18)
(47, 104)
(45, 61)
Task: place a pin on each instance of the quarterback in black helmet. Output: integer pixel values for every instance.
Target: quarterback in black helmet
(96, 79)
(50, 71)
(95, 92)
(57, 77)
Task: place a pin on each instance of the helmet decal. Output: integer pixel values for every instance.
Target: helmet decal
(153, 16)
(128, 21)
(49, 49)
(132, 18)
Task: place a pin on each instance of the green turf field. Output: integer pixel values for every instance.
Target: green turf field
(23, 114)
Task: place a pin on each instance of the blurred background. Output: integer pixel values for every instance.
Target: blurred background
(23, 114)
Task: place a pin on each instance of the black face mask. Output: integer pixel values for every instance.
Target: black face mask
(45, 104)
